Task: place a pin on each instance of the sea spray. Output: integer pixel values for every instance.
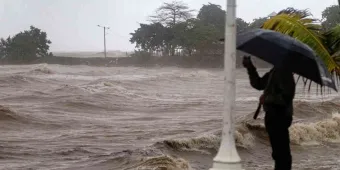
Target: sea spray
(41, 68)
(243, 137)
(163, 162)
(327, 130)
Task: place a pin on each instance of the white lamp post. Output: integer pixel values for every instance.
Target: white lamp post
(227, 157)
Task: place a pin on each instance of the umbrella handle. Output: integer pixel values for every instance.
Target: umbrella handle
(257, 112)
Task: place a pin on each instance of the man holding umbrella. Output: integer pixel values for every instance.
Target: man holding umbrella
(277, 100)
(287, 55)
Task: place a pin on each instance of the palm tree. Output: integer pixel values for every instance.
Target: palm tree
(300, 25)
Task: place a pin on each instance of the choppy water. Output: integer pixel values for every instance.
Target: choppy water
(80, 117)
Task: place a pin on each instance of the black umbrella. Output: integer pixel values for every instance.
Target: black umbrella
(284, 51)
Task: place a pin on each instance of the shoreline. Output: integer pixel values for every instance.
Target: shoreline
(167, 61)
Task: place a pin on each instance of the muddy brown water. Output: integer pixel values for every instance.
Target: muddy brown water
(122, 118)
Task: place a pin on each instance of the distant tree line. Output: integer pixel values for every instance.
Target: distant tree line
(174, 31)
(25, 46)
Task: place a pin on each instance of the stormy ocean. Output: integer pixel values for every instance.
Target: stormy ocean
(128, 118)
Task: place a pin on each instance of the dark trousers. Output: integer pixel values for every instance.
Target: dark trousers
(277, 125)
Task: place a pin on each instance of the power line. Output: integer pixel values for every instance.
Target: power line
(104, 37)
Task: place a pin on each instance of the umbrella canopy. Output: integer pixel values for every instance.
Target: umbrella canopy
(284, 51)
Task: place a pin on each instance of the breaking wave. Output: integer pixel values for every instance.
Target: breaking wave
(162, 162)
(246, 135)
(7, 115)
(327, 130)
(306, 129)
(41, 69)
(205, 143)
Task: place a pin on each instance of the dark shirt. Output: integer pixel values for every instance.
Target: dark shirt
(279, 93)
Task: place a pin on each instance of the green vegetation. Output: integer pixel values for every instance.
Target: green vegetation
(25, 46)
(172, 32)
(321, 37)
(173, 29)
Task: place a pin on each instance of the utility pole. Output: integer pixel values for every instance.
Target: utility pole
(104, 38)
(227, 157)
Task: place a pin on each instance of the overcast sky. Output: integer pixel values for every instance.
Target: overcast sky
(71, 25)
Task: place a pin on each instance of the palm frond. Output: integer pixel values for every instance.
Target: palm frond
(333, 40)
(302, 13)
(297, 24)
(300, 25)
